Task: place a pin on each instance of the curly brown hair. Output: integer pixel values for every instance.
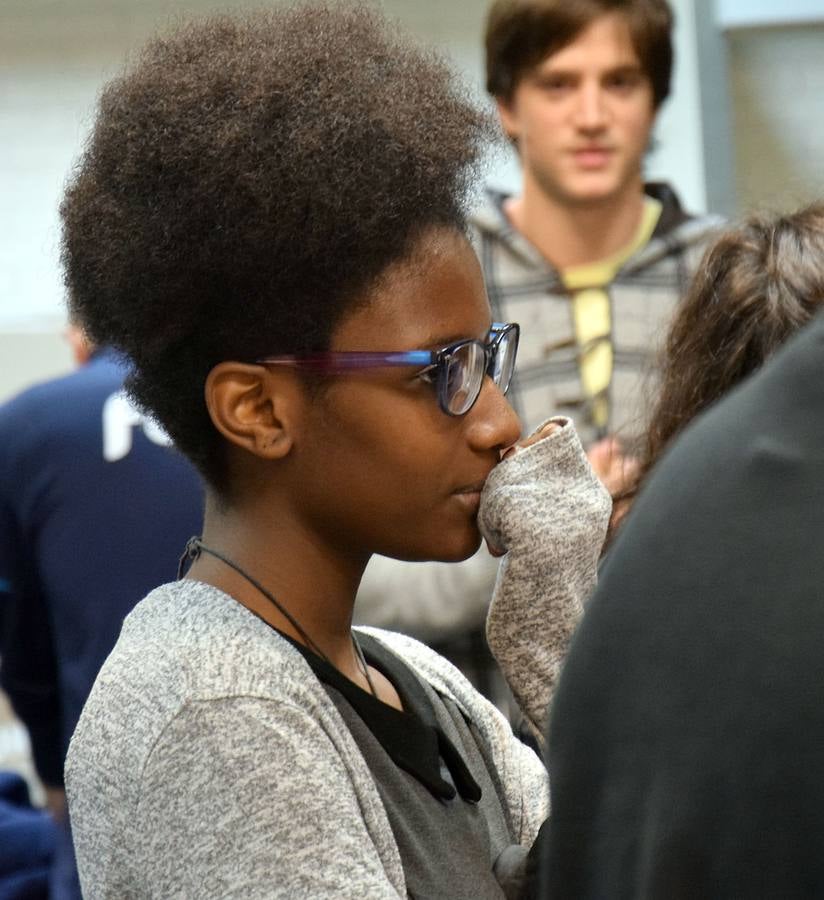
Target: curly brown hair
(756, 286)
(247, 179)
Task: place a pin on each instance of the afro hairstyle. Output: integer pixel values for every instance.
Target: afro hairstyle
(247, 179)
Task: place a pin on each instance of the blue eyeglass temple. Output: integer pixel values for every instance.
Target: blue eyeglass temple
(343, 360)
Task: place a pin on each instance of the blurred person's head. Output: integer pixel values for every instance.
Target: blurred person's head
(287, 183)
(578, 84)
(79, 343)
(757, 285)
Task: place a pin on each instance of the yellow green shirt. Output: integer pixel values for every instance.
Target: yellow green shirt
(591, 313)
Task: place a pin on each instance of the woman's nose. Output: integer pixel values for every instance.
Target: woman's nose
(494, 423)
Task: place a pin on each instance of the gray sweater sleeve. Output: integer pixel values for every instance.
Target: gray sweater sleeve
(546, 507)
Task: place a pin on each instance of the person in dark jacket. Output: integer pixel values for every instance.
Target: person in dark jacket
(686, 743)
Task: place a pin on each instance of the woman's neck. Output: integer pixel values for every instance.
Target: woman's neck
(316, 584)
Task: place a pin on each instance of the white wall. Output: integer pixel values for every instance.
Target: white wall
(757, 13)
(777, 82)
(679, 155)
(42, 111)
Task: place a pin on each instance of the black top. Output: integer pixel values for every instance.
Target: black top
(687, 735)
(440, 797)
(411, 738)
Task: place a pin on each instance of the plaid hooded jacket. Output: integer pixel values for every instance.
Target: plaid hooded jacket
(523, 287)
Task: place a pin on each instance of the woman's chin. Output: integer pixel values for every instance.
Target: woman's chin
(458, 548)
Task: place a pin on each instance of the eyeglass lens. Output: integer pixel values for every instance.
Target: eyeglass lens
(467, 367)
(464, 377)
(503, 362)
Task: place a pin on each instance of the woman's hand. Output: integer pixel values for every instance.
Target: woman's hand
(540, 434)
(546, 507)
(543, 432)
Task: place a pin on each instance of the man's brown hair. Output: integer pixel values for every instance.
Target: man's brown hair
(521, 33)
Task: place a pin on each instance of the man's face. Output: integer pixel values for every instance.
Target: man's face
(581, 119)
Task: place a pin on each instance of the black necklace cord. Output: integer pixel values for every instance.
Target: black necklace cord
(364, 667)
(190, 553)
(194, 548)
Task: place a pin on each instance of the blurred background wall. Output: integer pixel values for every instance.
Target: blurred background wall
(743, 129)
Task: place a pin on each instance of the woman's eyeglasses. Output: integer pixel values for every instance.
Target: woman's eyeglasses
(457, 371)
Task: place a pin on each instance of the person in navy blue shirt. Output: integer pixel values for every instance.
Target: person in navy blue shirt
(27, 839)
(95, 509)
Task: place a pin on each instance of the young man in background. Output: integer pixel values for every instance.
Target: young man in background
(589, 258)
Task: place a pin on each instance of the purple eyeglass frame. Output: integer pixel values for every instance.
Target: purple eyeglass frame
(336, 362)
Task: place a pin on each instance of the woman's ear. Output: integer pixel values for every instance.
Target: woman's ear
(255, 408)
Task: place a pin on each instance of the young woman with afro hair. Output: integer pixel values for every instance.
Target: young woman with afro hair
(268, 223)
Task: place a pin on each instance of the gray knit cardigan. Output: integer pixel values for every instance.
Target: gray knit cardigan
(210, 761)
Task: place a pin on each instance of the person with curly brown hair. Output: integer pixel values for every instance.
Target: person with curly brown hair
(758, 284)
(591, 255)
(269, 223)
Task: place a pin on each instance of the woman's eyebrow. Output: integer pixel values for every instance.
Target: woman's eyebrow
(439, 341)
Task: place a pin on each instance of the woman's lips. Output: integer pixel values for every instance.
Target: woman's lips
(470, 496)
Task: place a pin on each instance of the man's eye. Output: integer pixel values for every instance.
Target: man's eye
(624, 81)
(556, 85)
